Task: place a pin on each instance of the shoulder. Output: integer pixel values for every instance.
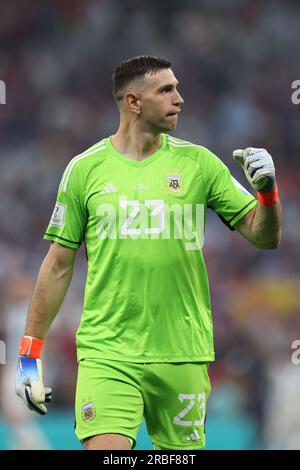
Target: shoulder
(82, 162)
(196, 152)
(88, 155)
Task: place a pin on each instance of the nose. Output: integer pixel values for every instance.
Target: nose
(178, 100)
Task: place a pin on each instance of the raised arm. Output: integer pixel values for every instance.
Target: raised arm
(262, 225)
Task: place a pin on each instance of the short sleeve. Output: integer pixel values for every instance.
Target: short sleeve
(68, 220)
(225, 195)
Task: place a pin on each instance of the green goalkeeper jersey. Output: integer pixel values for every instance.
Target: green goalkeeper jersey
(147, 294)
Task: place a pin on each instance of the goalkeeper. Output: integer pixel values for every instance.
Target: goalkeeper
(145, 339)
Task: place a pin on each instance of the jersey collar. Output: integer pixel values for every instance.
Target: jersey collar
(136, 163)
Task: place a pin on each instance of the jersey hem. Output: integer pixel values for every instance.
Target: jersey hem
(243, 212)
(62, 241)
(146, 360)
(195, 446)
(98, 431)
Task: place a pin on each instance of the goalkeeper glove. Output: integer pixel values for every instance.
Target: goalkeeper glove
(29, 380)
(258, 167)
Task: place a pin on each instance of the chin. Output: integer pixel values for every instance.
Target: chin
(172, 125)
(168, 127)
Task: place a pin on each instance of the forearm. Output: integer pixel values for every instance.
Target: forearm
(266, 225)
(51, 287)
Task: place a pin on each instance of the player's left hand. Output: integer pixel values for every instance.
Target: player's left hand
(258, 167)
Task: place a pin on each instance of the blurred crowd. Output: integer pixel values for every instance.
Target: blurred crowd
(236, 61)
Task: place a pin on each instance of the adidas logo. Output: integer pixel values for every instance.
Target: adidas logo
(195, 436)
(109, 188)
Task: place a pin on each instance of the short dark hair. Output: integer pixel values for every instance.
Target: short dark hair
(135, 67)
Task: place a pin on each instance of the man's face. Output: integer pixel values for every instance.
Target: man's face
(160, 101)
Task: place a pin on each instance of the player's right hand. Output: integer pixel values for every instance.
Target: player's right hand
(29, 380)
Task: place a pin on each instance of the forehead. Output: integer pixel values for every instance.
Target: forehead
(160, 78)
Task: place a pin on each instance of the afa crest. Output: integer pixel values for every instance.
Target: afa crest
(174, 183)
(88, 412)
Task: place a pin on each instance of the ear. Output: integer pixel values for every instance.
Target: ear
(133, 102)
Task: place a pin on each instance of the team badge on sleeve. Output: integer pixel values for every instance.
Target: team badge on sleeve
(58, 216)
(88, 412)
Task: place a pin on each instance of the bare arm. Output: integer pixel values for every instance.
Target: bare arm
(262, 226)
(52, 284)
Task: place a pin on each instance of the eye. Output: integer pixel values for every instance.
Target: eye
(167, 89)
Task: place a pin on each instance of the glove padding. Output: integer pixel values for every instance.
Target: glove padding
(258, 167)
(29, 384)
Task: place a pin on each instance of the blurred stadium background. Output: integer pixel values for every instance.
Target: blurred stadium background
(236, 60)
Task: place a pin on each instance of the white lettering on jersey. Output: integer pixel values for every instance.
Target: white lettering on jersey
(153, 218)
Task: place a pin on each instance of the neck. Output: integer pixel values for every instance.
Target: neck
(134, 142)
